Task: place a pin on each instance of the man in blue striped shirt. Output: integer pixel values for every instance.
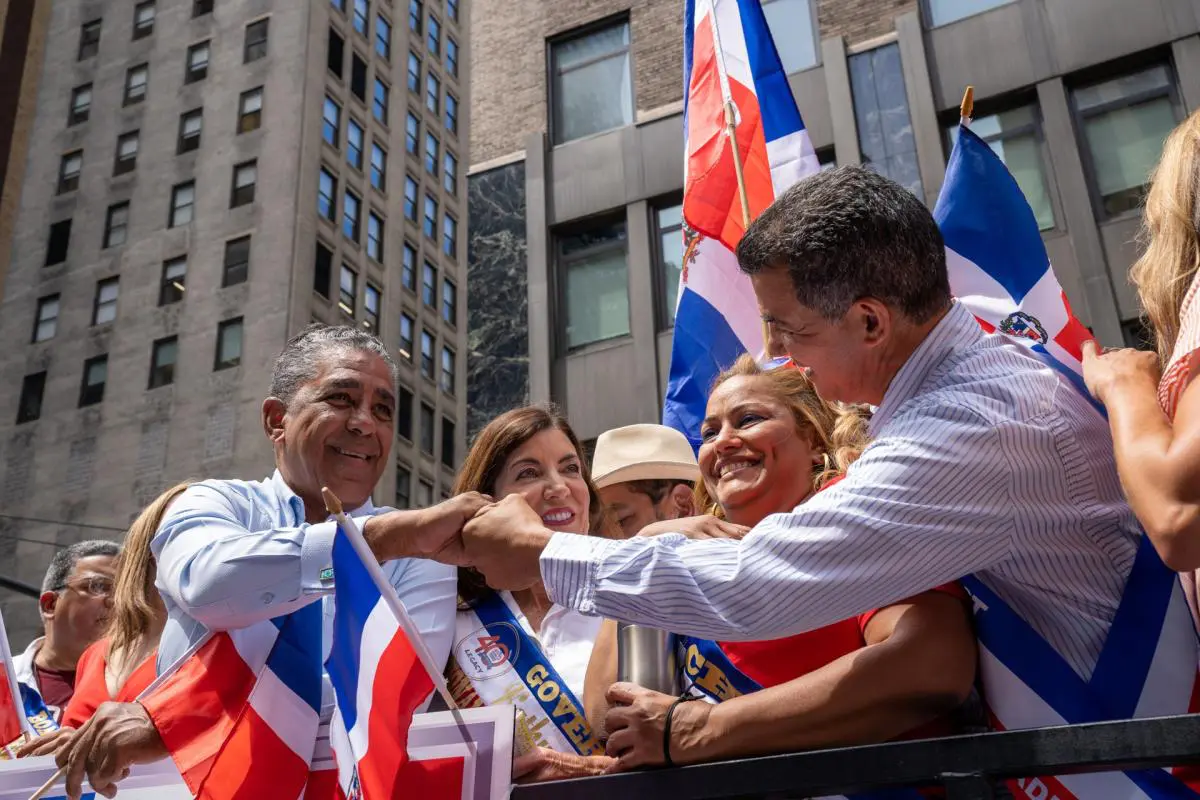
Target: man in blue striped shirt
(984, 461)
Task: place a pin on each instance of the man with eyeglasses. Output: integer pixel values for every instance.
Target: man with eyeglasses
(75, 604)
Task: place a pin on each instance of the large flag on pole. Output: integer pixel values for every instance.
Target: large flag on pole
(728, 56)
(13, 721)
(381, 673)
(997, 261)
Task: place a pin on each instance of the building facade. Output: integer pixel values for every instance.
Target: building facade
(577, 162)
(205, 178)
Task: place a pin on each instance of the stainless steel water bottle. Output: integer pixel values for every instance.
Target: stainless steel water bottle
(646, 656)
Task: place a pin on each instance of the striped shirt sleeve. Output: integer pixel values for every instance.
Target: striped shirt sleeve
(928, 502)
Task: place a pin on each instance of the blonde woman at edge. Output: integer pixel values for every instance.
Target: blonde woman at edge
(1153, 404)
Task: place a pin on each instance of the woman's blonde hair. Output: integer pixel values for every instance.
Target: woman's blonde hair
(839, 430)
(484, 463)
(134, 591)
(1170, 226)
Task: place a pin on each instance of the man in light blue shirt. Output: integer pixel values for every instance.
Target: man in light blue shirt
(233, 553)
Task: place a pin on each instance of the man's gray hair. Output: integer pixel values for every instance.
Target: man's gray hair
(64, 561)
(301, 357)
(849, 233)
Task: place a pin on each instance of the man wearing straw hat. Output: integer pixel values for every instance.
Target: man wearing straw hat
(645, 474)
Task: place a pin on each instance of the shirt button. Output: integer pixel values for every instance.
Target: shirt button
(267, 598)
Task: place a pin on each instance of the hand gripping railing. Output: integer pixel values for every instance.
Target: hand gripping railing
(967, 766)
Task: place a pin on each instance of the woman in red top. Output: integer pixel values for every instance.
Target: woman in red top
(768, 444)
(120, 665)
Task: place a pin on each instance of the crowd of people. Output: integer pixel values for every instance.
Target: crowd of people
(873, 519)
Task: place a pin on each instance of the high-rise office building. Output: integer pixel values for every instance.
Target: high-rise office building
(577, 159)
(205, 178)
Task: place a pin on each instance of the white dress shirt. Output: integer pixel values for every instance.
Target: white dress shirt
(983, 461)
(233, 553)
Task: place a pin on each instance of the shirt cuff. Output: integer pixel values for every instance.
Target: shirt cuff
(316, 558)
(569, 564)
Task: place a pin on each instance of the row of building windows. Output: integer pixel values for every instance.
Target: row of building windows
(347, 302)
(254, 40)
(1123, 122)
(360, 20)
(449, 162)
(164, 354)
(172, 285)
(426, 433)
(351, 215)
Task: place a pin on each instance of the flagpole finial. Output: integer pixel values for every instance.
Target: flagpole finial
(968, 104)
(332, 504)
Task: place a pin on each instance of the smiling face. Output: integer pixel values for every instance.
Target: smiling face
(337, 430)
(547, 471)
(753, 457)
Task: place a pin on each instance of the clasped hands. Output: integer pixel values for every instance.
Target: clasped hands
(502, 539)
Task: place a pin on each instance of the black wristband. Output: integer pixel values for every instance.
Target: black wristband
(667, 729)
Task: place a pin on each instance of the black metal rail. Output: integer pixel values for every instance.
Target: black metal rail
(967, 766)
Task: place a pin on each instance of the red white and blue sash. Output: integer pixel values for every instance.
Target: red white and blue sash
(1147, 667)
(502, 663)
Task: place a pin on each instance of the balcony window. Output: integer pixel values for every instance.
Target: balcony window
(595, 284)
(1124, 122)
(591, 85)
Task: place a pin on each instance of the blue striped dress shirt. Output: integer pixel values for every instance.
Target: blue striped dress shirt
(983, 461)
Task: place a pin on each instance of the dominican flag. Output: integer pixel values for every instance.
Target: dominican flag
(240, 714)
(997, 261)
(13, 721)
(379, 680)
(728, 55)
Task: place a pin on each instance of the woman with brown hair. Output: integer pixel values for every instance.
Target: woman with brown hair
(518, 647)
(1152, 402)
(120, 665)
(770, 443)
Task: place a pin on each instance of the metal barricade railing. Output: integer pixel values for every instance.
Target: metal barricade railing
(966, 766)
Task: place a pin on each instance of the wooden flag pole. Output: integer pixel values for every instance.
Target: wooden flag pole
(967, 106)
(731, 132)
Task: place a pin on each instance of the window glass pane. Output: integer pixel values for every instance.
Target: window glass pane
(1014, 136)
(943, 11)
(593, 90)
(383, 37)
(670, 235)
(597, 285)
(885, 133)
(1125, 141)
(229, 345)
(791, 25)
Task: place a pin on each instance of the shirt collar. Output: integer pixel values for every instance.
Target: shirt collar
(957, 327)
(289, 498)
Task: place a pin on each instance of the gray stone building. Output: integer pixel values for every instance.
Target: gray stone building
(204, 178)
(577, 163)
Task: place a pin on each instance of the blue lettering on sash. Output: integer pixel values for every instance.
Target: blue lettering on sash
(1121, 671)
(538, 674)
